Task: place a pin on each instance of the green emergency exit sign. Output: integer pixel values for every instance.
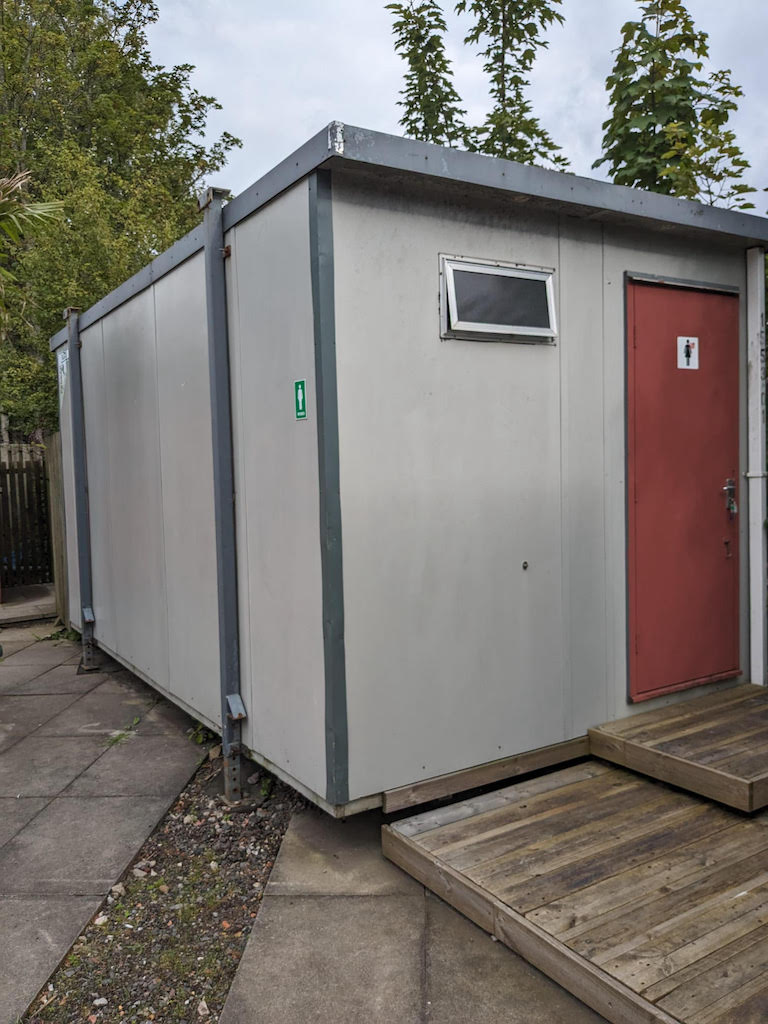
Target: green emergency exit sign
(300, 398)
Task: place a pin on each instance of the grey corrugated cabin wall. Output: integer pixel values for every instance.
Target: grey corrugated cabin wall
(82, 511)
(323, 285)
(232, 708)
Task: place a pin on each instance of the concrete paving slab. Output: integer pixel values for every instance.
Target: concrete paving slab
(10, 647)
(60, 852)
(13, 676)
(44, 766)
(34, 936)
(19, 716)
(32, 633)
(140, 766)
(77, 846)
(473, 980)
(124, 682)
(60, 679)
(46, 652)
(166, 719)
(290, 970)
(15, 814)
(321, 856)
(101, 711)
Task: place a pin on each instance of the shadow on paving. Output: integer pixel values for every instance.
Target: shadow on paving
(88, 766)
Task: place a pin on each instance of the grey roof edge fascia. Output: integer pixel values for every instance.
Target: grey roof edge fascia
(59, 338)
(298, 165)
(351, 144)
(409, 155)
(187, 246)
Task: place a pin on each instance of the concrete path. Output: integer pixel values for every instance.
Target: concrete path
(88, 766)
(27, 604)
(343, 936)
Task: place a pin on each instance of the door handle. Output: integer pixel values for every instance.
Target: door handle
(730, 497)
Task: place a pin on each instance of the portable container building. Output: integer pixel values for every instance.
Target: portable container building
(410, 460)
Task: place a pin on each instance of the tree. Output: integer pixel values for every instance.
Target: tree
(511, 32)
(668, 126)
(119, 140)
(430, 103)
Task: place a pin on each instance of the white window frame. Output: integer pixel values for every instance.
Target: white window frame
(452, 327)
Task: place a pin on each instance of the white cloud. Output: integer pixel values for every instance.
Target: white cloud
(283, 71)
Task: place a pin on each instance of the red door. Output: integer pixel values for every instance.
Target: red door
(683, 493)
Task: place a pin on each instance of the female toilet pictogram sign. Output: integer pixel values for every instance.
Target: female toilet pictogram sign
(687, 353)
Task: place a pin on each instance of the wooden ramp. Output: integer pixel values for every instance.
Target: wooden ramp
(715, 745)
(648, 904)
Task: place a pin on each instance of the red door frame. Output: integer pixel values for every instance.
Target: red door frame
(631, 279)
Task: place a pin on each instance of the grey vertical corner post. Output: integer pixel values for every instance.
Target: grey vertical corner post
(323, 304)
(756, 472)
(232, 708)
(82, 503)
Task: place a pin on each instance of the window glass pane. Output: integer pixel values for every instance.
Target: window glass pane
(500, 299)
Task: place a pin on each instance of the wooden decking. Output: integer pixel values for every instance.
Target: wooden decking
(649, 904)
(715, 745)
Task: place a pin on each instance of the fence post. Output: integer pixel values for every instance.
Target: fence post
(232, 709)
(58, 526)
(82, 511)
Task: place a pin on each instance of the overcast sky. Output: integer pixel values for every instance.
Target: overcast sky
(283, 70)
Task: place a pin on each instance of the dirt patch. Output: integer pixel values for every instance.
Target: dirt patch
(166, 942)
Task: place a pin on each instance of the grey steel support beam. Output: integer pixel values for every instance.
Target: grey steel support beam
(232, 710)
(82, 504)
(323, 303)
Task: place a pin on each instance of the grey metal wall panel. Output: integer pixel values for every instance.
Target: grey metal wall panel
(276, 468)
(187, 487)
(97, 430)
(450, 480)
(134, 489)
(649, 253)
(68, 474)
(583, 520)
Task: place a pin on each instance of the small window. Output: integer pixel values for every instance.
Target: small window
(484, 300)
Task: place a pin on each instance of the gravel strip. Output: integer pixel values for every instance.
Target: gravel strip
(166, 942)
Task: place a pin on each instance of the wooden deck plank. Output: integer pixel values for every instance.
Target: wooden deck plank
(696, 744)
(749, 762)
(571, 844)
(702, 779)
(669, 949)
(620, 933)
(700, 822)
(698, 973)
(592, 986)
(670, 714)
(692, 998)
(540, 806)
(648, 909)
(695, 718)
(451, 814)
(748, 1005)
(627, 890)
(511, 844)
(711, 745)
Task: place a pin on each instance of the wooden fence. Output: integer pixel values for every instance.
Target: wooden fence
(25, 533)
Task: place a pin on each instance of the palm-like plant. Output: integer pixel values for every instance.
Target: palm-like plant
(18, 216)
